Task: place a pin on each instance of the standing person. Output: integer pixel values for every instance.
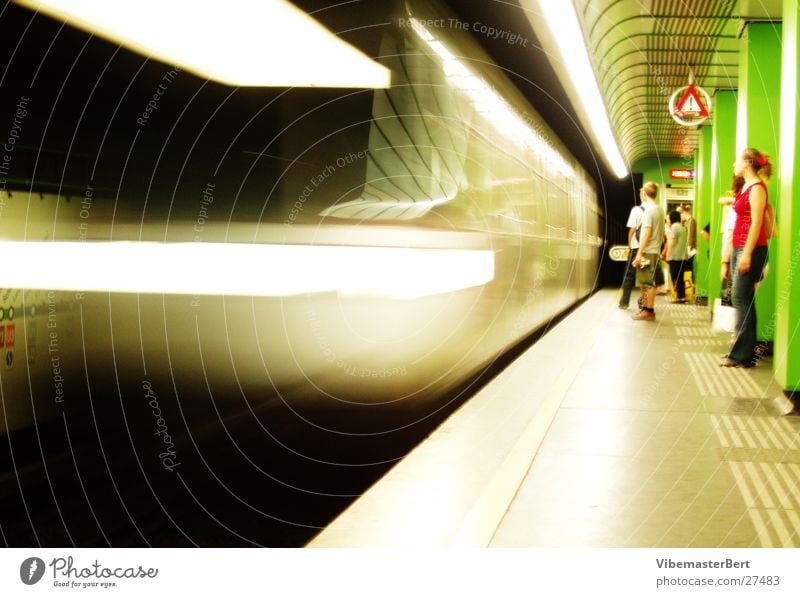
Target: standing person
(706, 234)
(691, 243)
(748, 251)
(646, 260)
(628, 281)
(675, 254)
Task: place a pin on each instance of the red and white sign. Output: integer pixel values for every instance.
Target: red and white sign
(681, 173)
(693, 107)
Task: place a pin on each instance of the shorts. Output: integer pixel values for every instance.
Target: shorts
(646, 276)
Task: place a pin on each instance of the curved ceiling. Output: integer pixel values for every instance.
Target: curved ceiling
(644, 50)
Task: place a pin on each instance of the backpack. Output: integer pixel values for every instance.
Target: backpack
(770, 223)
(639, 227)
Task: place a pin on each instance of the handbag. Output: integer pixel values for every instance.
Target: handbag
(724, 319)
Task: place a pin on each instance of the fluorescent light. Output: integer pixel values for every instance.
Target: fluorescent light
(564, 31)
(267, 43)
(227, 268)
(489, 104)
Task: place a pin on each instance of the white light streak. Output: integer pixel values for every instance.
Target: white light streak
(242, 269)
(238, 42)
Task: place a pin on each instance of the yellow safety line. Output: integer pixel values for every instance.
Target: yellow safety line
(488, 511)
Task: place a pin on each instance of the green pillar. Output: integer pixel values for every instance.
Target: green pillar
(702, 208)
(723, 154)
(759, 126)
(787, 265)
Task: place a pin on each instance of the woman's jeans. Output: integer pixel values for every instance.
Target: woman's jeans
(744, 292)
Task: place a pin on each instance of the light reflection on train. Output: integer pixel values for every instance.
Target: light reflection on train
(400, 250)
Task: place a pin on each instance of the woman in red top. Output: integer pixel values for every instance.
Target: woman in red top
(748, 251)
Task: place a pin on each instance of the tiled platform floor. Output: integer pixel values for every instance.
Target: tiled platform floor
(656, 445)
(608, 432)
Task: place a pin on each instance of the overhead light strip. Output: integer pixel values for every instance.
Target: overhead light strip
(566, 33)
(236, 42)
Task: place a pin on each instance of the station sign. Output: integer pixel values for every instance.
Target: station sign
(681, 173)
(618, 253)
(690, 105)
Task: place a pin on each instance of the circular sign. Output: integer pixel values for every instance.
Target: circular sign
(693, 107)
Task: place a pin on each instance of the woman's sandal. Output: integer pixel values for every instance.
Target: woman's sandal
(726, 362)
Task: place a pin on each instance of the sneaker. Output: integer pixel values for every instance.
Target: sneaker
(644, 316)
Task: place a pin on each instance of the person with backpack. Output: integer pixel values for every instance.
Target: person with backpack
(747, 250)
(646, 261)
(629, 280)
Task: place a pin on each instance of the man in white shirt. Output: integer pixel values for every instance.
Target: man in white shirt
(628, 281)
(650, 240)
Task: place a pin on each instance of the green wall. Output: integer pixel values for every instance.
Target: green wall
(723, 154)
(787, 277)
(758, 125)
(702, 209)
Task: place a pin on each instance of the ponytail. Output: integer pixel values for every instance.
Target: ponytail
(759, 162)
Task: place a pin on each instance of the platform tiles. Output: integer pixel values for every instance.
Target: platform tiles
(606, 433)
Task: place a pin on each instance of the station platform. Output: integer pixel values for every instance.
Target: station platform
(608, 432)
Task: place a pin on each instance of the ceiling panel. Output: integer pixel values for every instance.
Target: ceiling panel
(644, 50)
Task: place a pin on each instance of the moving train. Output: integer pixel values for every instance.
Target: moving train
(349, 256)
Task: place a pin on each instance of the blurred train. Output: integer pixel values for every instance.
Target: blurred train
(353, 255)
